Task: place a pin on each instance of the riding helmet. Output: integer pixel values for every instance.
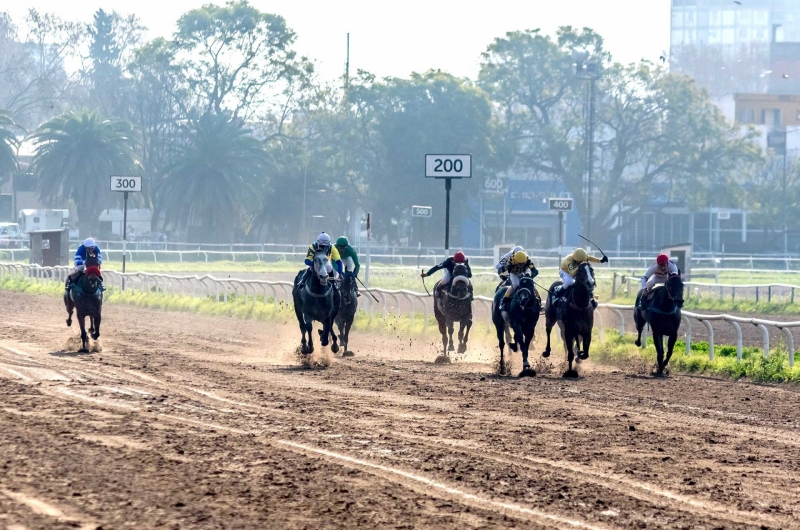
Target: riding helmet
(459, 257)
(662, 259)
(520, 258)
(89, 243)
(342, 242)
(580, 255)
(324, 240)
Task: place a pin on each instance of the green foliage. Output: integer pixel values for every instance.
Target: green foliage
(215, 175)
(619, 349)
(8, 146)
(76, 154)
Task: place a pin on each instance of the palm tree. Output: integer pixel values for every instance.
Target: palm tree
(215, 178)
(8, 147)
(75, 156)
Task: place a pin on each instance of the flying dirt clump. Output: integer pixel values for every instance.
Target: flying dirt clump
(74, 344)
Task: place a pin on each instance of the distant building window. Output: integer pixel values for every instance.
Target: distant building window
(748, 116)
(728, 18)
(776, 117)
(728, 36)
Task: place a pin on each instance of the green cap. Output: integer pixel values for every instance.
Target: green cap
(342, 242)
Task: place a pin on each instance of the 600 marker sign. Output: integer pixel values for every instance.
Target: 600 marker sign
(448, 166)
(120, 183)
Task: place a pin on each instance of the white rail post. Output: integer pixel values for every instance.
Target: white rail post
(738, 329)
(789, 344)
(765, 336)
(710, 330)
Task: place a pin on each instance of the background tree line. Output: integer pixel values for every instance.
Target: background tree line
(235, 135)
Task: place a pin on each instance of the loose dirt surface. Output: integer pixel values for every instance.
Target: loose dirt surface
(186, 421)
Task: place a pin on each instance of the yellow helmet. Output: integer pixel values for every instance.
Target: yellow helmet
(580, 255)
(519, 258)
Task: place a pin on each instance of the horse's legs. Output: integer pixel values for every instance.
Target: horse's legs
(547, 329)
(96, 326)
(670, 347)
(84, 336)
(70, 308)
(519, 338)
(570, 342)
(298, 312)
(450, 329)
(334, 338)
(640, 323)
(586, 341)
(346, 334)
(309, 327)
(658, 340)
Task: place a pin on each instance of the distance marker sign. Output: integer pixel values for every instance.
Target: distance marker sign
(126, 183)
(448, 166)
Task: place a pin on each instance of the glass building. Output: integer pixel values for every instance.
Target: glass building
(732, 24)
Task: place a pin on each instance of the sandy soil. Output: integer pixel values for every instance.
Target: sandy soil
(186, 421)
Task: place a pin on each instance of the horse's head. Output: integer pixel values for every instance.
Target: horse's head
(91, 279)
(585, 276)
(674, 287)
(321, 267)
(460, 283)
(526, 292)
(348, 288)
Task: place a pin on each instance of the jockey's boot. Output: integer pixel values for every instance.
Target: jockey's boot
(303, 279)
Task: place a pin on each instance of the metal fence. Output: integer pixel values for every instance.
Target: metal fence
(250, 291)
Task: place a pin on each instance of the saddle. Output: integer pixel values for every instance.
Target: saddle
(646, 301)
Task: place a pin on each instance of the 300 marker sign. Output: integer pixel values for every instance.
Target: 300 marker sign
(126, 183)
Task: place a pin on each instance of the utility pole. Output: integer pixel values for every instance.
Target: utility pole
(347, 66)
(588, 69)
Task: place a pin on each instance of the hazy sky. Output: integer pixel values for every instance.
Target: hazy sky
(396, 38)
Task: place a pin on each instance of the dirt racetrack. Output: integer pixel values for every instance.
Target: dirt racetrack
(187, 421)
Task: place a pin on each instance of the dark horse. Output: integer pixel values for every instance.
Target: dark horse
(662, 311)
(317, 300)
(86, 298)
(347, 311)
(454, 305)
(575, 317)
(522, 316)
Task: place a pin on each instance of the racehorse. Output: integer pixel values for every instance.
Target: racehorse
(662, 310)
(347, 310)
(521, 318)
(454, 305)
(575, 317)
(85, 297)
(317, 300)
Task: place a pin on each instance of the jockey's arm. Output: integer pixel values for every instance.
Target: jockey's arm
(337, 259)
(99, 256)
(435, 268)
(310, 256)
(533, 269)
(673, 268)
(80, 256)
(594, 260)
(356, 264)
(652, 270)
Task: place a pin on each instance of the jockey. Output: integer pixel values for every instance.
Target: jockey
(520, 265)
(502, 265)
(659, 272)
(88, 248)
(322, 244)
(448, 265)
(349, 259)
(569, 268)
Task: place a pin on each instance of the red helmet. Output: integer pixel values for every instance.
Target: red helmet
(459, 257)
(662, 259)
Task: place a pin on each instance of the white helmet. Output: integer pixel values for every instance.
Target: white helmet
(324, 240)
(89, 243)
(516, 249)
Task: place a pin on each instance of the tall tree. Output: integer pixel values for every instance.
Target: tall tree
(8, 146)
(216, 176)
(236, 58)
(75, 156)
(654, 130)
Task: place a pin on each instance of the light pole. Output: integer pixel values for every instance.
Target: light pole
(588, 69)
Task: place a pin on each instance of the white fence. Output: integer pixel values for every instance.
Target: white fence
(223, 289)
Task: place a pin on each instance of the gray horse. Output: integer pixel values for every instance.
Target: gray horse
(316, 300)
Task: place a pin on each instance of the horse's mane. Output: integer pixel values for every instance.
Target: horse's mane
(92, 270)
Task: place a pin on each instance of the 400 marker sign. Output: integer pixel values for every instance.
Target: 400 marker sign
(126, 183)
